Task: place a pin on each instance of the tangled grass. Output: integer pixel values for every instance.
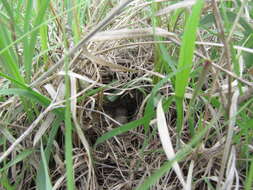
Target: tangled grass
(125, 95)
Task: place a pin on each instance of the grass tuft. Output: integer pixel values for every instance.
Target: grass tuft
(128, 94)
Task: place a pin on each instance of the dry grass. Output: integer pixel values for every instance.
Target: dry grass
(111, 77)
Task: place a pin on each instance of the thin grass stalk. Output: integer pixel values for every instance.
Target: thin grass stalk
(68, 134)
(76, 22)
(43, 36)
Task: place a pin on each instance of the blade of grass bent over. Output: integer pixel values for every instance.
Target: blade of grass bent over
(185, 60)
(166, 142)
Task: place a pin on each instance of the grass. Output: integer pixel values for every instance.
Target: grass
(185, 61)
(127, 94)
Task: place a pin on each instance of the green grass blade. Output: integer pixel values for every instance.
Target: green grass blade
(7, 58)
(69, 148)
(120, 130)
(17, 159)
(35, 28)
(68, 133)
(180, 114)
(27, 54)
(76, 23)
(14, 81)
(40, 178)
(8, 8)
(30, 48)
(5, 183)
(163, 63)
(28, 94)
(249, 178)
(43, 35)
(185, 59)
(25, 91)
(46, 185)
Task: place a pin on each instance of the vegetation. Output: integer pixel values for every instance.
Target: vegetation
(129, 94)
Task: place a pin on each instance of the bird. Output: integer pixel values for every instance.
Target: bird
(121, 115)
